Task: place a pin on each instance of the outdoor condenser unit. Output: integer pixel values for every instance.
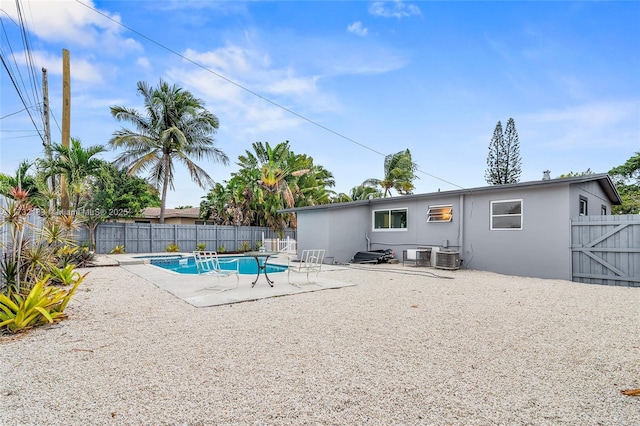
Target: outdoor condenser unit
(447, 260)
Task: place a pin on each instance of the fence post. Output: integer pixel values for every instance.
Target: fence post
(125, 243)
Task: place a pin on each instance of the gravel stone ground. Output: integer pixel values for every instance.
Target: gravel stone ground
(401, 348)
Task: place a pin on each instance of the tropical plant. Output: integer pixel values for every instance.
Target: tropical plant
(65, 276)
(76, 164)
(222, 249)
(201, 246)
(119, 249)
(245, 246)
(172, 248)
(74, 255)
(504, 164)
(23, 180)
(174, 128)
(269, 179)
(627, 180)
(43, 304)
(399, 174)
(115, 194)
(15, 216)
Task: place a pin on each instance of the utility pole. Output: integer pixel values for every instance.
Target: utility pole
(47, 133)
(66, 122)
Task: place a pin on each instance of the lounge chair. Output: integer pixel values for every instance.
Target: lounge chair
(208, 263)
(309, 261)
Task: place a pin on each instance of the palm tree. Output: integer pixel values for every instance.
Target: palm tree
(278, 176)
(175, 126)
(22, 180)
(399, 174)
(76, 164)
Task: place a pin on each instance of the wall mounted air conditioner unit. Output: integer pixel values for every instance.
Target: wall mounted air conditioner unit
(447, 259)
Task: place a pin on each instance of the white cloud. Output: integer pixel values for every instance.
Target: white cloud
(143, 62)
(586, 125)
(71, 22)
(357, 29)
(82, 70)
(249, 70)
(594, 114)
(394, 9)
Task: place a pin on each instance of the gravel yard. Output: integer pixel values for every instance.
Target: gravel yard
(401, 347)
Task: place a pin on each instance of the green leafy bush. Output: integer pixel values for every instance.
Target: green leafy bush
(118, 250)
(43, 304)
(173, 248)
(65, 276)
(201, 246)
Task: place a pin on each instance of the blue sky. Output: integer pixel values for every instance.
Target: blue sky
(433, 77)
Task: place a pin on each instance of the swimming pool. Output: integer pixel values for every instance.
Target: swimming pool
(187, 265)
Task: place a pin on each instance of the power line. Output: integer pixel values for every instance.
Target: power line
(12, 76)
(14, 113)
(228, 80)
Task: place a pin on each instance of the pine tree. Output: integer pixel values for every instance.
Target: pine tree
(504, 161)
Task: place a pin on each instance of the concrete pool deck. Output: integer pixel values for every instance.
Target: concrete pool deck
(196, 289)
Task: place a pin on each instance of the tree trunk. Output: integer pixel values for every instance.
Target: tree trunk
(165, 186)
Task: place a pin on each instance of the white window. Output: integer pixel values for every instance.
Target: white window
(506, 214)
(583, 206)
(440, 213)
(390, 219)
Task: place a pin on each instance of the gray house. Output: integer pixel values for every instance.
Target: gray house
(521, 229)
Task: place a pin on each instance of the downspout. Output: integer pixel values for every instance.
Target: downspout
(461, 226)
(366, 235)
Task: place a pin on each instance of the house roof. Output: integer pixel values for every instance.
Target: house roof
(154, 213)
(603, 180)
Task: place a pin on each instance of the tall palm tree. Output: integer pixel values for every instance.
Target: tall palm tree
(175, 127)
(399, 174)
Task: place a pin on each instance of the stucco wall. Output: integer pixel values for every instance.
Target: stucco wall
(419, 232)
(341, 232)
(539, 249)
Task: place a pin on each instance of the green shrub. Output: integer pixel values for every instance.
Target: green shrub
(44, 304)
(245, 246)
(201, 246)
(173, 248)
(118, 250)
(222, 249)
(65, 276)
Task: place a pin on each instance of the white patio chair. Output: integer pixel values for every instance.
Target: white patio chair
(310, 261)
(208, 263)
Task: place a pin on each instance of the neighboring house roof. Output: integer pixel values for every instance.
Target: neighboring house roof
(603, 180)
(154, 213)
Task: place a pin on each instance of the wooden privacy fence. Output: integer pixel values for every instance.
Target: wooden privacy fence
(154, 238)
(606, 250)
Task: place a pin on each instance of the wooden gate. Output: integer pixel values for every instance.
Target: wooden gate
(606, 250)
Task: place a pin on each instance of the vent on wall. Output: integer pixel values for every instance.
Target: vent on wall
(447, 260)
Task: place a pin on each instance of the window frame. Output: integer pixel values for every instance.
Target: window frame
(389, 211)
(603, 210)
(430, 215)
(583, 201)
(520, 215)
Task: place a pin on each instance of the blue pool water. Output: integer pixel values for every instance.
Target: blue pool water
(188, 266)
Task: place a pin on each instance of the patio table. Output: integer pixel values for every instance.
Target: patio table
(261, 258)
